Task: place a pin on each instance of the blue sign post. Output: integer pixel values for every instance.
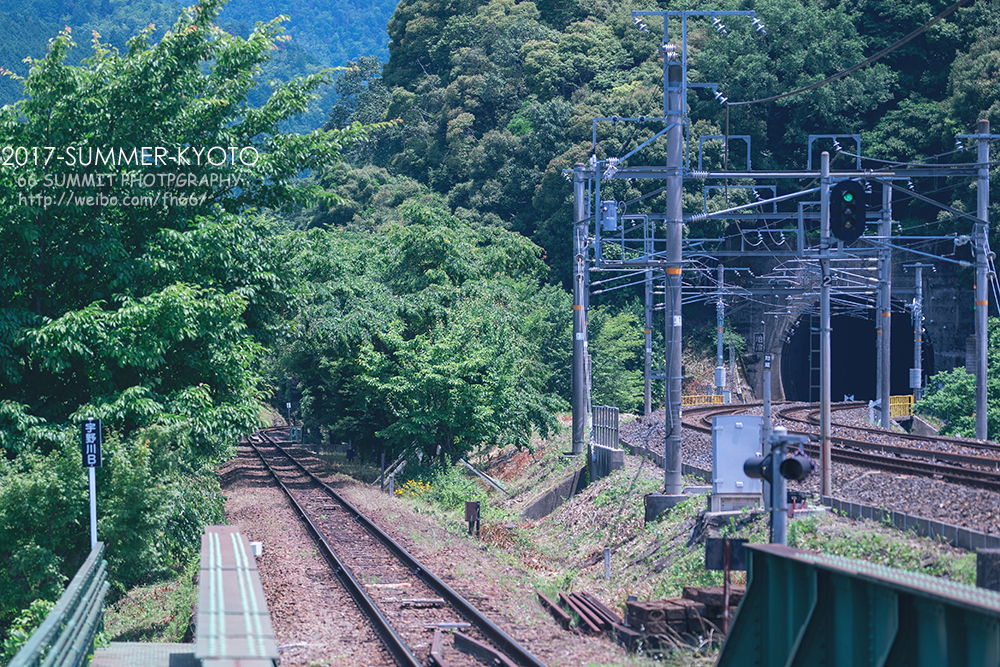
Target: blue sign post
(90, 447)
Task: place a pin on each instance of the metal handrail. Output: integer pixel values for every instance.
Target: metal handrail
(901, 406)
(703, 399)
(605, 426)
(66, 636)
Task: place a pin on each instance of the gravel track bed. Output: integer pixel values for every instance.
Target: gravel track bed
(496, 584)
(977, 509)
(315, 620)
(386, 579)
(854, 424)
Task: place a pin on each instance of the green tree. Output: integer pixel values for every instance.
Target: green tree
(951, 395)
(150, 314)
(616, 348)
(427, 332)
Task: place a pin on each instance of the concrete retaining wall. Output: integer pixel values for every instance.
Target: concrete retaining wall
(556, 496)
(963, 538)
(605, 460)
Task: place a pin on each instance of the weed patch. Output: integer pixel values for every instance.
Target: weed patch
(158, 613)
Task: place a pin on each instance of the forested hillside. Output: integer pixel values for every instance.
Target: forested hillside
(495, 98)
(323, 34)
(403, 284)
(491, 100)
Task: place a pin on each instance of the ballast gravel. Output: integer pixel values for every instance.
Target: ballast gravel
(315, 620)
(972, 508)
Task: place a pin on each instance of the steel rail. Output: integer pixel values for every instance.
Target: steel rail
(964, 476)
(848, 451)
(813, 419)
(399, 649)
(502, 640)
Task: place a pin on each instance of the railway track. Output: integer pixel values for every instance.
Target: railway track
(937, 459)
(409, 607)
(809, 414)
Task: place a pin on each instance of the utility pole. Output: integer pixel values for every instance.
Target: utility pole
(884, 314)
(580, 225)
(765, 427)
(648, 362)
(826, 482)
(674, 112)
(917, 372)
(720, 323)
(982, 268)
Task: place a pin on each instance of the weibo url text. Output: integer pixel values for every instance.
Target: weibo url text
(67, 198)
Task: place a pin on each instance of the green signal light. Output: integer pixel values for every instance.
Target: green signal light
(848, 196)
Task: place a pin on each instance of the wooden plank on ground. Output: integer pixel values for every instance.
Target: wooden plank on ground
(584, 618)
(557, 613)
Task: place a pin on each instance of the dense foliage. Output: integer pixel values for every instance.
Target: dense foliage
(321, 35)
(431, 334)
(951, 395)
(152, 316)
(496, 97)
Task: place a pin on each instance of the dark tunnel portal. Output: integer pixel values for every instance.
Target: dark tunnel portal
(853, 359)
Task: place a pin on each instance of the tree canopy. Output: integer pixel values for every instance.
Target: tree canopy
(496, 97)
(138, 290)
(429, 335)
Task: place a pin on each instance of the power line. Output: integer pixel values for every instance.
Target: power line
(864, 63)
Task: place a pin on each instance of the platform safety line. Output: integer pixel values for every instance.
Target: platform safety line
(251, 617)
(217, 639)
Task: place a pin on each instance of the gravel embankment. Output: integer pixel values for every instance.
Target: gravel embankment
(977, 509)
(316, 622)
(315, 619)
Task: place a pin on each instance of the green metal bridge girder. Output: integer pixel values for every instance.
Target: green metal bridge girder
(812, 610)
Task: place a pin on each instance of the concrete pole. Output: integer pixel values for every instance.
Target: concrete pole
(766, 425)
(674, 218)
(720, 323)
(826, 483)
(765, 429)
(648, 361)
(885, 309)
(779, 489)
(579, 316)
(918, 333)
(982, 267)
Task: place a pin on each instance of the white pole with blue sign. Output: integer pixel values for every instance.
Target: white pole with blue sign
(90, 446)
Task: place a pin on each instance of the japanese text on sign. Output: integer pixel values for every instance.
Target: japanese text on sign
(90, 443)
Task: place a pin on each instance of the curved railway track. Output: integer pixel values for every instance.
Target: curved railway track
(809, 414)
(945, 464)
(404, 601)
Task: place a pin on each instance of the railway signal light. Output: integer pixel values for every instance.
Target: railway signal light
(848, 209)
(796, 467)
(758, 467)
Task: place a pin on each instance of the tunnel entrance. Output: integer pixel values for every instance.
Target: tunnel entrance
(853, 358)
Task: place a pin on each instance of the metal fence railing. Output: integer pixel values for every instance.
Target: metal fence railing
(703, 399)
(901, 406)
(606, 426)
(66, 636)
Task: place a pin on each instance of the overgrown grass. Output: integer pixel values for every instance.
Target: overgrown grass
(882, 545)
(158, 613)
(564, 552)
